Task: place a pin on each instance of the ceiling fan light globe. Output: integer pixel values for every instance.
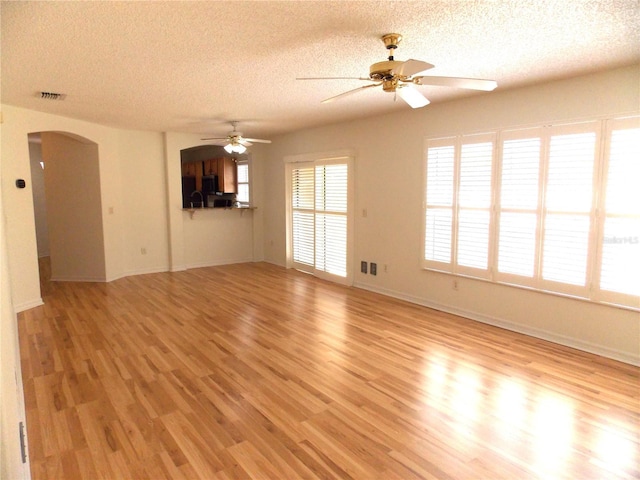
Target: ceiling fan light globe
(229, 148)
(413, 97)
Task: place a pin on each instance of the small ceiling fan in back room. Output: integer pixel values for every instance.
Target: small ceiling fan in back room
(400, 77)
(235, 142)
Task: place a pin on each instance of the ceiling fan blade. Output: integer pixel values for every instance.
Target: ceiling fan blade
(411, 67)
(245, 142)
(413, 97)
(218, 139)
(470, 83)
(349, 92)
(333, 78)
(256, 140)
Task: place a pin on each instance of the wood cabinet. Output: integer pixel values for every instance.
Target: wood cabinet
(189, 169)
(210, 167)
(224, 168)
(227, 173)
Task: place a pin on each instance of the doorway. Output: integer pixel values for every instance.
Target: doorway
(65, 179)
(319, 218)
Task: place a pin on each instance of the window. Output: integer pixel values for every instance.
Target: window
(319, 218)
(243, 184)
(554, 208)
(458, 193)
(619, 262)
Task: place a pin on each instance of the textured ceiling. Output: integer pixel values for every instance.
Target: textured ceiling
(191, 66)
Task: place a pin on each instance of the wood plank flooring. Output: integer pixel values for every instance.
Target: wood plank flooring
(252, 371)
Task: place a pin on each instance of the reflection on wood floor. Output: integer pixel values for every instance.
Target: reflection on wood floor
(254, 371)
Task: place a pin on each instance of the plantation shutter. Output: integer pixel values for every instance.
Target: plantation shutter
(303, 216)
(243, 183)
(518, 206)
(439, 205)
(331, 218)
(319, 235)
(568, 208)
(620, 257)
(474, 205)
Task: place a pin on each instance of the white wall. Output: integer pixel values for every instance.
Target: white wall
(140, 198)
(74, 211)
(21, 238)
(11, 392)
(39, 200)
(389, 185)
(143, 191)
(210, 237)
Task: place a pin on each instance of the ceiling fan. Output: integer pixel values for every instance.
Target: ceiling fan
(400, 77)
(235, 142)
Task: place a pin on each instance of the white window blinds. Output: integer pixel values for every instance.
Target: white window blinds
(566, 204)
(331, 219)
(458, 204)
(439, 203)
(474, 203)
(303, 215)
(620, 215)
(243, 183)
(519, 186)
(319, 218)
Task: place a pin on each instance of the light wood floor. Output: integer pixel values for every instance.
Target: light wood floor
(254, 371)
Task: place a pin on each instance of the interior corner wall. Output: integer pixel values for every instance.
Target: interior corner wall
(389, 176)
(11, 391)
(39, 199)
(143, 193)
(74, 208)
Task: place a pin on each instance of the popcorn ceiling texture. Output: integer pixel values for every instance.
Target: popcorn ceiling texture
(191, 66)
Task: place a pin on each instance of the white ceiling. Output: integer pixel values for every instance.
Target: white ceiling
(192, 66)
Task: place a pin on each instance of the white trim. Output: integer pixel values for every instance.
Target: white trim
(37, 302)
(567, 341)
(217, 263)
(312, 157)
(79, 279)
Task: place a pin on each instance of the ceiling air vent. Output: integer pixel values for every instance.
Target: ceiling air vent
(52, 96)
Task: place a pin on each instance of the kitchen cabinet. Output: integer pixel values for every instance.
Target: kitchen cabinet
(227, 173)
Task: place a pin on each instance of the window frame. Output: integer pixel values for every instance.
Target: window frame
(595, 213)
(240, 163)
(315, 160)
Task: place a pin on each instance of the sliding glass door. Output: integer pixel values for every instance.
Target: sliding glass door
(319, 218)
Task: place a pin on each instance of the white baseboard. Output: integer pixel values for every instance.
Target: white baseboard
(572, 342)
(28, 305)
(218, 263)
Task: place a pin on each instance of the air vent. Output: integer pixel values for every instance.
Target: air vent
(52, 96)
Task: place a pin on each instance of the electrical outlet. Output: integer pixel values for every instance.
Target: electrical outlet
(455, 285)
(363, 267)
(373, 268)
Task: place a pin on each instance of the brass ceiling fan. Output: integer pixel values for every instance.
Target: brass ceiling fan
(400, 77)
(235, 142)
